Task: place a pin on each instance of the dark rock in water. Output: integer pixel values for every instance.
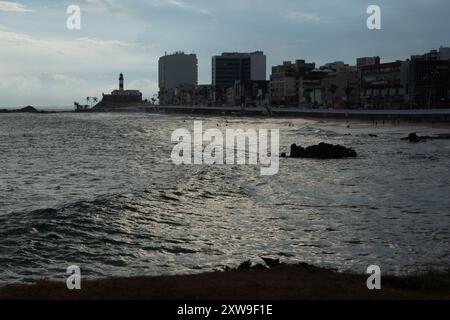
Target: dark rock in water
(247, 265)
(271, 263)
(414, 138)
(297, 152)
(322, 151)
(442, 136)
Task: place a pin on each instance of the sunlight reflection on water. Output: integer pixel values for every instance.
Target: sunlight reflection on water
(99, 190)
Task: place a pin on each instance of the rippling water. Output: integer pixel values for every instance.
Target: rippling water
(100, 191)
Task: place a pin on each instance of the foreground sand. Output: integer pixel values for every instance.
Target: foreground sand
(284, 282)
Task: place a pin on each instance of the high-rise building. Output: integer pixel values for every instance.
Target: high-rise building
(429, 79)
(175, 70)
(231, 67)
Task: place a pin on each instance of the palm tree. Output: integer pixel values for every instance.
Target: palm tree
(95, 100)
(155, 98)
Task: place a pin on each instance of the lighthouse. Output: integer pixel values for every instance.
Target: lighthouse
(120, 98)
(121, 82)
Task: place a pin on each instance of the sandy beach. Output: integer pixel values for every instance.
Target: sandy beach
(302, 282)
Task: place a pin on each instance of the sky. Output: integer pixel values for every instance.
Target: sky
(44, 64)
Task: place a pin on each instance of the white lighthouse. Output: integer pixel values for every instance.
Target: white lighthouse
(120, 98)
(121, 87)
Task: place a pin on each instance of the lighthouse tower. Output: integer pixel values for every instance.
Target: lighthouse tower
(120, 98)
(121, 82)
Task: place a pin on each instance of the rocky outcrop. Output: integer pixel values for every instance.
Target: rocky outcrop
(414, 138)
(321, 151)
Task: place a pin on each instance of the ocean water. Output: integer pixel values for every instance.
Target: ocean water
(100, 191)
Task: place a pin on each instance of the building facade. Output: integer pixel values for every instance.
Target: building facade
(231, 67)
(250, 93)
(367, 61)
(176, 70)
(429, 79)
(341, 86)
(204, 94)
(287, 83)
(311, 90)
(385, 85)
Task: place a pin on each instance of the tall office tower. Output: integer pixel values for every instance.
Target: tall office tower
(176, 70)
(231, 67)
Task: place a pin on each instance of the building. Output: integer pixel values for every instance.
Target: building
(249, 93)
(429, 79)
(442, 54)
(341, 86)
(121, 97)
(311, 88)
(229, 97)
(286, 83)
(384, 85)
(367, 61)
(421, 82)
(175, 70)
(184, 95)
(231, 67)
(203, 95)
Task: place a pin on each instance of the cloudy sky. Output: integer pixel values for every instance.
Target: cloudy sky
(42, 63)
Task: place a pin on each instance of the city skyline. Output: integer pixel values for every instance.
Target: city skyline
(45, 64)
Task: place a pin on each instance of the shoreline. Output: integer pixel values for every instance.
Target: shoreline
(283, 282)
(432, 116)
(408, 115)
